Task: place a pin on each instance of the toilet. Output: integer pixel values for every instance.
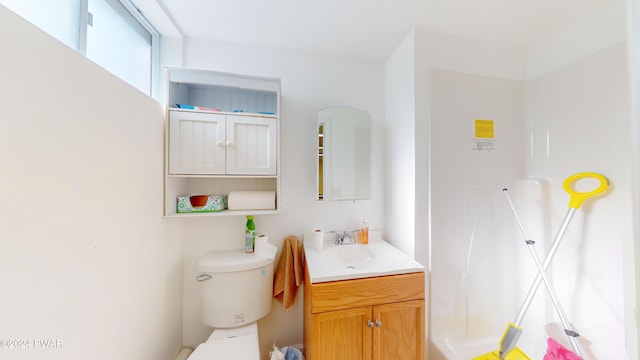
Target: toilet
(237, 290)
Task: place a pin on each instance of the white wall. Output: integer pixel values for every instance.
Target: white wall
(407, 123)
(400, 152)
(596, 30)
(631, 249)
(467, 218)
(310, 83)
(86, 258)
(578, 120)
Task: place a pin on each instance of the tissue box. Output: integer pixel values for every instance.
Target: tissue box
(197, 203)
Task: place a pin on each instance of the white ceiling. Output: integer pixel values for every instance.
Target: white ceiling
(364, 29)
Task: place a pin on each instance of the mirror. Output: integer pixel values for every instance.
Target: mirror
(344, 154)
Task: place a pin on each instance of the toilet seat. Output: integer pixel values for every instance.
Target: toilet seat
(220, 333)
(237, 348)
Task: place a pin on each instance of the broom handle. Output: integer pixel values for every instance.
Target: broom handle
(545, 264)
(542, 275)
(576, 198)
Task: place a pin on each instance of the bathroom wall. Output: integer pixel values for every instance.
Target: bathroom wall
(310, 82)
(86, 262)
(400, 154)
(408, 90)
(631, 248)
(466, 186)
(578, 120)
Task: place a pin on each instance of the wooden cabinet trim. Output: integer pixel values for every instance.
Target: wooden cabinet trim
(337, 295)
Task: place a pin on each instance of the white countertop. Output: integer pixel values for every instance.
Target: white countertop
(342, 262)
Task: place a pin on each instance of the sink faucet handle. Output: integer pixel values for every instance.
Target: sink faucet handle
(338, 239)
(348, 238)
(344, 237)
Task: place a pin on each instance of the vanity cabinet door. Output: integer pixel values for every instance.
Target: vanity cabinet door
(342, 335)
(251, 145)
(196, 143)
(399, 331)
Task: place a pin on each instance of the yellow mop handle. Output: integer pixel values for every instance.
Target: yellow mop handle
(577, 197)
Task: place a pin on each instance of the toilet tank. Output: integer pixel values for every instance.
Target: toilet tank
(237, 288)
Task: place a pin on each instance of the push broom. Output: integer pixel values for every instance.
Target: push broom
(508, 349)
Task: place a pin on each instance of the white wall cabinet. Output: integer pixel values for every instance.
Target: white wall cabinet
(222, 136)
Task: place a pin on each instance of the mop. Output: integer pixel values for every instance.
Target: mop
(508, 349)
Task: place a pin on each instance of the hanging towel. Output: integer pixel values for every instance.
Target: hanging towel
(289, 273)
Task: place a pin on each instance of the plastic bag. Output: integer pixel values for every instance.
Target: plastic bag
(291, 353)
(276, 354)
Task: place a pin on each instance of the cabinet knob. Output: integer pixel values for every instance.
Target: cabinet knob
(220, 143)
(378, 323)
(370, 324)
(230, 143)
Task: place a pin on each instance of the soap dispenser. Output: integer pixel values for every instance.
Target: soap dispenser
(364, 231)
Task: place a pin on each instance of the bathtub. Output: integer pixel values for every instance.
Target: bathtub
(482, 273)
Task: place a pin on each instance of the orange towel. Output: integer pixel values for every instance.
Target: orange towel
(289, 274)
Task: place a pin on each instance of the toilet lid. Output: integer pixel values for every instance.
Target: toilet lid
(237, 348)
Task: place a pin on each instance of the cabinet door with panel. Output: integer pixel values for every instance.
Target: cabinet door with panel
(381, 332)
(250, 145)
(343, 334)
(196, 143)
(218, 144)
(399, 331)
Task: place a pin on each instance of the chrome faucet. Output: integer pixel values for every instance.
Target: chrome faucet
(345, 238)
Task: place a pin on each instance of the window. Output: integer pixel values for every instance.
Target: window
(58, 18)
(112, 33)
(117, 42)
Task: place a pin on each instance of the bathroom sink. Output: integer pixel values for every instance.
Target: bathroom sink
(351, 255)
(343, 262)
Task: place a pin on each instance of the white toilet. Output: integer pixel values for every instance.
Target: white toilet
(237, 290)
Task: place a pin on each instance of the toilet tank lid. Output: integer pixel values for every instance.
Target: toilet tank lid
(231, 261)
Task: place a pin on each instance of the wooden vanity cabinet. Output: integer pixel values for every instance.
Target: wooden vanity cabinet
(378, 318)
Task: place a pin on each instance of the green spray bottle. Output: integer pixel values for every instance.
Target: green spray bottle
(250, 234)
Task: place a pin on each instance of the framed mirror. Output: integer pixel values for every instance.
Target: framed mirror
(344, 154)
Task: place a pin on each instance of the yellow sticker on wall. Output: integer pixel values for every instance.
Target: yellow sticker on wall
(484, 129)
